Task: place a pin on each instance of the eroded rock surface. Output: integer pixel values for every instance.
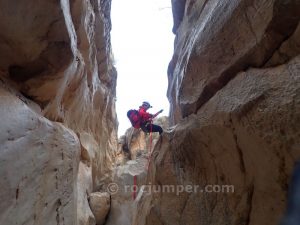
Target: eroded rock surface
(234, 92)
(85, 215)
(55, 61)
(135, 142)
(130, 173)
(218, 39)
(38, 166)
(292, 216)
(100, 205)
(247, 136)
(67, 44)
(123, 192)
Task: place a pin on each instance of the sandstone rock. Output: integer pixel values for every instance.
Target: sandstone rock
(100, 205)
(135, 142)
(292, 216)
(38, 166)
(122, 199)
(218, 39)
(131, 172)
(62, 62)
(288, 49)
(84, 188)
(247, 136)
(55, 57)
(235, 124)
(178, 12)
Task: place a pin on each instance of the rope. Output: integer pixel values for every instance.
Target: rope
(134, 188)
(148, 164)
(150, 147)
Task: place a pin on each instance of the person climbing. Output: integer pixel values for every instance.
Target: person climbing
(142, 119)
(146, 119)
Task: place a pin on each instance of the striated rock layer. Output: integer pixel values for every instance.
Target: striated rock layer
(234, 90)
(57, 108)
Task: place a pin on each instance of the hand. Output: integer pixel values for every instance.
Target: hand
(160, 111)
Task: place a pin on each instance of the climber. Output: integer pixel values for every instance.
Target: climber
(142, 119)
(146, 119)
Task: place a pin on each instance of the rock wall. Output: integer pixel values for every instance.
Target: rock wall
(218, 39)
(57, 99)
(292, 216)
(234, 90)
(132, 162)
(135, 142)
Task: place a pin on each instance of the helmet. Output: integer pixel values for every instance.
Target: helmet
(146, 105)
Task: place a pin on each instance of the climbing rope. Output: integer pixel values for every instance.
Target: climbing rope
(150, 147)
(134, 187)
(147, 165)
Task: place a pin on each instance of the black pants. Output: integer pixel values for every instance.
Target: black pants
(149, 127)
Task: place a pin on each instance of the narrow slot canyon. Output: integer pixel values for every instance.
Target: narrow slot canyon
(230, 148)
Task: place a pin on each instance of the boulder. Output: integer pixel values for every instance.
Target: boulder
(100, 205)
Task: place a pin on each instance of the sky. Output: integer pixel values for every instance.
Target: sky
(142, 44)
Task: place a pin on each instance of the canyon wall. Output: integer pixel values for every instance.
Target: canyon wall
(132, 161)
(234, 90)
(58, 122)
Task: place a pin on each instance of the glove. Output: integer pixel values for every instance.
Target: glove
(160, 111)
